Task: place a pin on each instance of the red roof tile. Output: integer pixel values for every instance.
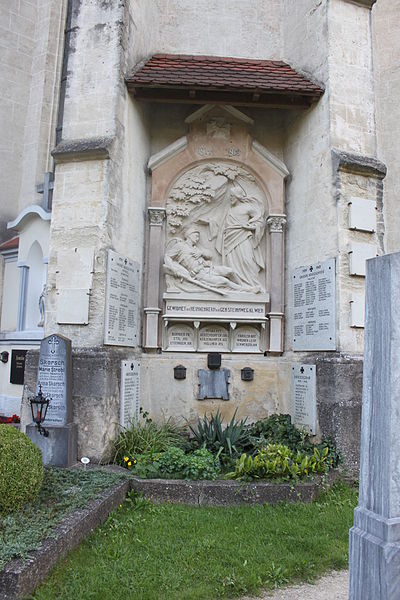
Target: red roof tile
(11, 244)
(180, 72)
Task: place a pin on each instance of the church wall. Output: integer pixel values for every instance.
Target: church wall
(221, 28)
(385, 17)
(17, 40)
(43, 98)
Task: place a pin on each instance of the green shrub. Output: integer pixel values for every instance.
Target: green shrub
(277, 461)
(146, 437)
(278, 429)
(175, 464)
(225, 442)
(21, 469)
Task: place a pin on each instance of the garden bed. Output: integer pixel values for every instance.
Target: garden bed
(19, 577)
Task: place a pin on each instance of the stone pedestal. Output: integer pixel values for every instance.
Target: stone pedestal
(375, 536)
(59, 449)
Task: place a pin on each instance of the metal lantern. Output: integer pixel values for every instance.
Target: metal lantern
(39, 406)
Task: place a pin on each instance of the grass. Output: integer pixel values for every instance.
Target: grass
(171, 552)
(62, 492)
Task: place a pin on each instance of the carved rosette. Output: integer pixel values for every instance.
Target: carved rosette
(276, 223)
(156, 216)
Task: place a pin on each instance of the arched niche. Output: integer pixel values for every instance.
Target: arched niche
(36, 278)
(216, 231)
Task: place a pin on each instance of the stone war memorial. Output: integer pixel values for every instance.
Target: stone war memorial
(187, 206)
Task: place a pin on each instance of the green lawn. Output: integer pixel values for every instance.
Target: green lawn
(167, 552)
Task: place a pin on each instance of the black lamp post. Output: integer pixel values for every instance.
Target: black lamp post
(39, 405)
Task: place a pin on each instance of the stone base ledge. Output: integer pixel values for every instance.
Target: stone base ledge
(227, 493)
(20, 577)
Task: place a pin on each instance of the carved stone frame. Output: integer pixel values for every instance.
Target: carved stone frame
(234, 144)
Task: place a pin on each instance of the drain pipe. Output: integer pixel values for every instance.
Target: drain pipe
(46, 188)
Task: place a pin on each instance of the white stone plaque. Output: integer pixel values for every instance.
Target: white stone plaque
(226, 310)
(122, 296)
(130, 392)
(213, 338)
(180, 338)
(246, 339)
(314, 307)
(303, 406)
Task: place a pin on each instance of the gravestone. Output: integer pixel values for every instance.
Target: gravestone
(55, 377)
(303, 405)
(375, 535)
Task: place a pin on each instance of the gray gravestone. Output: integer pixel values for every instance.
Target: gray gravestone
(303, 406)
(375, 535)
(55, 377)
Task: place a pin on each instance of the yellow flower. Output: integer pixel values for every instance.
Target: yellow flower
(134, 462)
(126, 458)
(129, 463)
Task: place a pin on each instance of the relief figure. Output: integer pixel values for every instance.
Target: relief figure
(191, 266)
(238, 235)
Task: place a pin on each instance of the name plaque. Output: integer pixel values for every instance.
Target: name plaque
(213, 337)
(314, 326)
(246, 339)
(303, 406)
(17, 366)
(122, 298)
(180, 337)
(205, 309)
(130, 392)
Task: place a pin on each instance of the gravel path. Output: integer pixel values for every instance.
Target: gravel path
(334, 586)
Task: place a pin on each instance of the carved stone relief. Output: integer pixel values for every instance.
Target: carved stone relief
(215, 232)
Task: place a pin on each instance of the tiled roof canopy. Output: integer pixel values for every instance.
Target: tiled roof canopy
(239, 81)
(11, 244)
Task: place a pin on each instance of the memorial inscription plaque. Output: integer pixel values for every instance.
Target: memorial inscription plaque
(130, 392)
(122, 297)
(213, 337)
(303, 407)
(54, 375)
(314, 325)
(17, 366)
(246, 339)
(180, 337)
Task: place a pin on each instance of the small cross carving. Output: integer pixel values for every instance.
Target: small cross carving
(302, 370)
(53, 343)
(311, 269)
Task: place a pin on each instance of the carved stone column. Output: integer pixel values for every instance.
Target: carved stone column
(276, 224)
(155, 256)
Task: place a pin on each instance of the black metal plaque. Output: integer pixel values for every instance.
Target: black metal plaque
(17, 366)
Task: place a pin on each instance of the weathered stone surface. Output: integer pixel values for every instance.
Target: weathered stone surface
(223, 493)
(375, 536)
(19, 578)
(339, 385)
